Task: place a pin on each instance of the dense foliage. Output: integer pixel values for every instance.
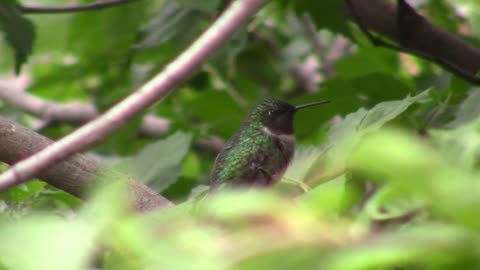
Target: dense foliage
(383, 177)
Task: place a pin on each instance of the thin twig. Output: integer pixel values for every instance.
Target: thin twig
(324, 177)
(29, 9)
(318, 47)
(234, 17)
(228, 87)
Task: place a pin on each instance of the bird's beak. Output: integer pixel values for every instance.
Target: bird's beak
(299, 107)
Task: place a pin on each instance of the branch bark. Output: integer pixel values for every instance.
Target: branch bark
(236, 14)
(73, 175)
(12, 91)
(416, 35)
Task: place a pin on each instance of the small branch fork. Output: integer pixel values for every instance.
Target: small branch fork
(408, 19)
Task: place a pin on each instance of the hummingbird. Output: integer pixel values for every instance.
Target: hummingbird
(260, 151)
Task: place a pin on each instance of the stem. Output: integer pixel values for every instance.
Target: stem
(317, 45)
(324, 177)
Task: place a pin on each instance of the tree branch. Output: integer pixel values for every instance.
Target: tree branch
(236, 14)
(28, 9)
(13, 92)
(73, 175)
(415, 35)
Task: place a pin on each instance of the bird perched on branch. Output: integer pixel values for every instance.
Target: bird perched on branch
(260, 151)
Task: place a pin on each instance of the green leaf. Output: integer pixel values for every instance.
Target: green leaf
(114, 30)
(22, 192)
(443, 14)
(363, 121)
(302, 162)
(379, 87)
(158, 164)
(291, 257)
(354, 190)
(389, 203)
(327, 14)
(328, 197)
(174, 22)
(219, 111)
(368, 60)
(345, 135)
(468, 111)
(101, 43)
(429, 246)
(460, 145)
(19, 32)
(342, 94)
(414, 168)
(205, 6)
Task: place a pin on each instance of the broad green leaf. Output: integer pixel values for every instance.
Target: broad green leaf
(343, 100)
(461, 145)
(346, 134)
(468, 111)
(327, 14)
(390, 202)
(113, 29)
(364, 121)
(354, 191)
(379, 87)
(414, 168)
(22, 192)
(174, 22)
(292, 257)
(443, 14)
(19, 32)
(159, 163)
(101, 43)
(61, 81)
(61, 199)
(432, 246)
(302, 162)
(206, 6)
(327, 198)
(218, 111)
(368, 60)
(190, 177)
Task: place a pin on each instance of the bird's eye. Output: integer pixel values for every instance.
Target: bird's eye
(270, 112)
